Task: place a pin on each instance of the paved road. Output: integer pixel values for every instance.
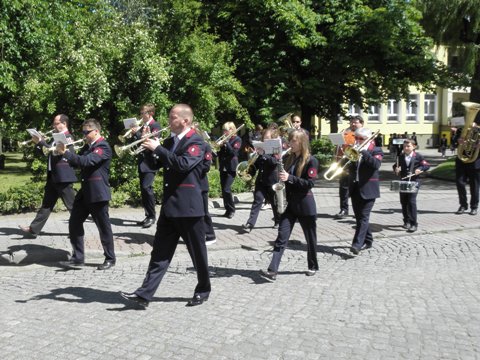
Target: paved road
(410, 297)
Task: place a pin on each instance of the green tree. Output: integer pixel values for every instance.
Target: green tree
(314, 56)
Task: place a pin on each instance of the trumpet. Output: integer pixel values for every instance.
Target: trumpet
(135, 147)
(351, 154)
(128, 134)
(77, 145)
(22, 144)
(224, 138)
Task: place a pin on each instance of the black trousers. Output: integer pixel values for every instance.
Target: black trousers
(209, 232)
(409, 208)
(226, 181)
(361, 209)
(169, 231)
(309, 227)
(52, 192)
(261, 193)
(148, 195)
(343, 194)
(79, 214)
(464, 172)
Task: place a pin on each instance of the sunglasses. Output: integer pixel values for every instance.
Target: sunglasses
(359, 138)
(86, 132)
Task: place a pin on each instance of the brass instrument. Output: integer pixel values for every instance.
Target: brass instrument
(224, 138)
(129, 133)
(243, 168)
(468, 148)
(21, 144)
(135, 147)
(351, 154)
(286, 120)
(280, 189)
(53, 149)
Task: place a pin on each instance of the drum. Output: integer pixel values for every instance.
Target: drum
(404, 186)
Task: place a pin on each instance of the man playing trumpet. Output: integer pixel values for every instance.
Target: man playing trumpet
(60, 176)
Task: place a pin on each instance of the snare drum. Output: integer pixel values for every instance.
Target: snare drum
(404, 186)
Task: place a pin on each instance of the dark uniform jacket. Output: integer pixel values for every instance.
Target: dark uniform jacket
(368, 174)
(61, 171)
(94, 162)
(228, 154)
(299, 189)
(417, 162)
(145, 160)
(182, 176)
(267, 166)
(206, 164)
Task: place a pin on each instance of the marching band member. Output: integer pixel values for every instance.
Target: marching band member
(60, 176)
(410, 164)
(228, 161)
(299, 174)
(267, 166)
(364, 188)
(146, 165)
(356, 122)
(93, 198)
(182, 212)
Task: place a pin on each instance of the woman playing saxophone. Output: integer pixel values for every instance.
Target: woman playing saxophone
(299, 174)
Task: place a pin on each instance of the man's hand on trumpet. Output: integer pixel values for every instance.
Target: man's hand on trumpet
(151, 144)
(60, 149)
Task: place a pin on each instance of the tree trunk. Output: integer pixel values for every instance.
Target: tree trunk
(475, 85)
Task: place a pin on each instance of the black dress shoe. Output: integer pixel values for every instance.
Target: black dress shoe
(197, 300)
(406, 226)
(354, 250)
(142, 222)
(141, 302)
(149, 222)
(461, 210)
(412, 228)
(106, 265)
(473, 212)
(71, 264)
(310, 272)
(229, 215)
(366, 246)
(27, 230)
(268, 275)
(342, 214)
(246, 228)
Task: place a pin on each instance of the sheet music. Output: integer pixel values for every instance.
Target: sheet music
(59, 138)
(129, 122)
(270, 146)
(34, 132)
(337, 139)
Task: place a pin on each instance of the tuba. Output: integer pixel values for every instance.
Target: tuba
(468, 148)
(350, 154)
(243, 168)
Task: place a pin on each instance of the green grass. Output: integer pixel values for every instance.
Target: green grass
(445, 170)
(15, 172)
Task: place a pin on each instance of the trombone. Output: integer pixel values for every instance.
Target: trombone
(352, 154)
(224, 138)
(22, 144)
(128, 134)
(77, 145)
(135, 147)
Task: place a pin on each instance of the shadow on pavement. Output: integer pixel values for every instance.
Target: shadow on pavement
(134, 238)
(27, 254)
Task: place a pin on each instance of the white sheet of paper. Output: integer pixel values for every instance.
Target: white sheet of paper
(457, 121)
(60, 138)
(129, 122)
(270, 146)
(34, 132)
(336, 139)
(398, 141)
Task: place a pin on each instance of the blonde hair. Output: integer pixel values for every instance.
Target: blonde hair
(229, 126)
(302, 138)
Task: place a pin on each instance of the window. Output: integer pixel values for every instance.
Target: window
(430, 102)
(374, 113)
(354, 110)
(392, 110)
(412, 108)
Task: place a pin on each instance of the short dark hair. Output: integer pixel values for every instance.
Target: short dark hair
(63, 118)
(356, 117)
(410, 141)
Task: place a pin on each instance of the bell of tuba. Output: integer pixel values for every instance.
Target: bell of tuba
(468, 148)
(243, 168)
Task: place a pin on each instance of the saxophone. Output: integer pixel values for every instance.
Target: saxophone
(468, 149)
(280, 190)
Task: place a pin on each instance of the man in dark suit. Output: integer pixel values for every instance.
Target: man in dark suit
(146, 165)
(364, 189)
(93, 198)
(60, 176)
(182, 212)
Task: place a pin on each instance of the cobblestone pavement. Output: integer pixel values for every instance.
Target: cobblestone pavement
(409, 297)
